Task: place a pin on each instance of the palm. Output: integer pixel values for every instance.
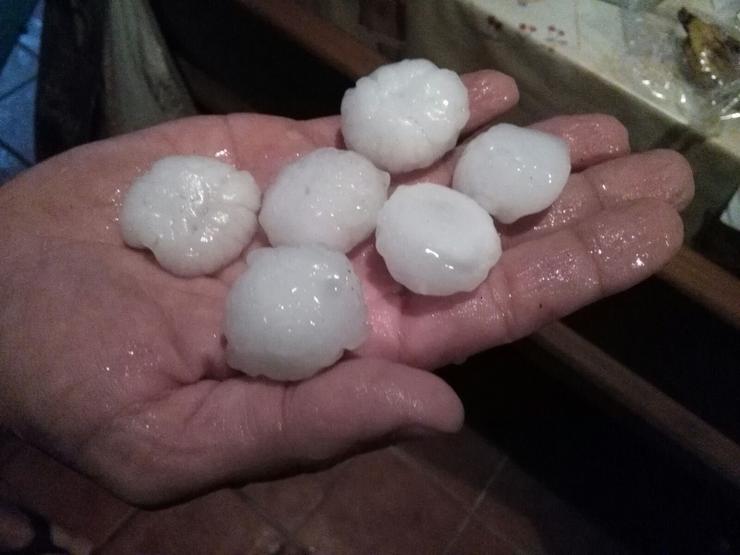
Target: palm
(118, 366)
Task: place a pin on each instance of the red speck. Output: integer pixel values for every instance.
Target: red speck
(523, 26)
(551, 28)
(532, 28)
(495, 23)
(561, 32)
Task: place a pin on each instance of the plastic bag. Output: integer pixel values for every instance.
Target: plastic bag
(686, 61)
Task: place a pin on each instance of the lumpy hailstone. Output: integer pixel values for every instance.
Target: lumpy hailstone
(293, 312)
(406, 115)
(436, 241)
(195, 214)
(513, 172)
(329, 197)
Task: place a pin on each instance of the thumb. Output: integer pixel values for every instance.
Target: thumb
(365, 401)
(245, 430)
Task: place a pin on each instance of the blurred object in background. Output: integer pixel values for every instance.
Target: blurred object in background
(69, 76)
(141, 84)
(712, 55)
(687, 60)
(104, 70)
(719, 238)
(20, 37)
(12, 24)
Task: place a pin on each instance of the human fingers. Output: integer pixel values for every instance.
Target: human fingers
(591, 138)
(237, 430)
(663, 175)
(533, 283)
(490, 94)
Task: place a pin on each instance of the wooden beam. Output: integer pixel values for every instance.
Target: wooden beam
(326, 41)
(642, 399)
(706, 283)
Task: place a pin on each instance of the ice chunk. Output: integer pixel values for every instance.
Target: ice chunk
(330, 197)
(293, 312)
(512, 171)
(195, 214)
(405, 115)
(436, 241)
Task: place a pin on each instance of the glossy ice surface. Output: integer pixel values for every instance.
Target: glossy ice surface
(293, 312)
(329, 197)
(513, 172)
(436, 241)
(194, 213)
(405, 115)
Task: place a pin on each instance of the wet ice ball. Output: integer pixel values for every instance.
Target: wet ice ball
(329, 197)
(436, 241)
(293, 312)
(512, 171)
(405, 115)
(195, 214)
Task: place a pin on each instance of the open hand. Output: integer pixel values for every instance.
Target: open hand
(117, 367)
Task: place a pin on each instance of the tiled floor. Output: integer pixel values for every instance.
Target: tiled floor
(17, 97)
(433, 496)
(540, 471)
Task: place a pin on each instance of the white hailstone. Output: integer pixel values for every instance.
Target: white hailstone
(293, 312)
(405, 115)
(513, 172)
(195, 214)
(329, 197)
(436, 241)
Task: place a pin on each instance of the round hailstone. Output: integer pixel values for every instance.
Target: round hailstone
(513, 172)
(436, 241)
(329, 197)
(406, 115)
(194, 213)
(293, 312)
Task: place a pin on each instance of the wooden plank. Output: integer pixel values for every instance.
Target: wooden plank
(325, 40)
(706, 283)
(642, 399)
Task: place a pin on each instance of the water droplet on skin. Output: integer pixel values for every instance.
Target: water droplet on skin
(116, 197)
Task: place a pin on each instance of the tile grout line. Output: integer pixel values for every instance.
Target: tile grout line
(124, 520)
(290, 535)
(271, 520)
(428, 472)
(27, 49)
(432, 475)
(478, 500)
(18, 87)
(13, 152)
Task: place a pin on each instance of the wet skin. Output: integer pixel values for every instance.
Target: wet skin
(117, 367)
